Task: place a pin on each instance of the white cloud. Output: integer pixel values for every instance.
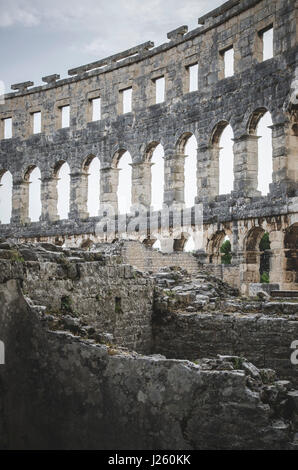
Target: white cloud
(17, 14)
(94, 15)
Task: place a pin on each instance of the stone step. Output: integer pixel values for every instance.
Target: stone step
(284, 293)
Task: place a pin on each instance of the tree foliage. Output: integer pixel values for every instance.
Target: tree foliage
(226, 250)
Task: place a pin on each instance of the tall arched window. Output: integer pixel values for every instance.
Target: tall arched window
(33, 177)
(157, 178)
(93, 169)
(265, 164)
(5, 196)
(190, 171)
(63, 189)
(226, 161)
(124, 185)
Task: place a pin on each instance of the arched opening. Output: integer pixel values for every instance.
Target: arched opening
(156, 156)
(5, 196)
(257, 259)
(63, 189)
(226, 161)
(226, 251)
(221, 170)
(86, 244)
(291, 254)
(214, 247)
(264, 247)
(189, 246)
(92, 167)
(157, 245)
(33, 176)
(149, 242)
(179, 243)
(188, 145)
(124, 185)
(259, 125)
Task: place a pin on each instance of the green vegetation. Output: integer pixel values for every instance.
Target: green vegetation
(265, 259)
(226, 250)
(238, 362)
(16, 256)
(265, 278)
(66, 304)
(265, 243)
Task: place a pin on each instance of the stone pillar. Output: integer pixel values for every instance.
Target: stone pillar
(109, 179)
(207, 173)
(141, 184)
(49, 198)
(78, 196)
(167, 245)
(174, 179)
(285, 167)
(20, 202)
(246, 165)
(277, 258)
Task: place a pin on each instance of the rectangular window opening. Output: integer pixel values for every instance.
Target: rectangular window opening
(267, 39)
(96, 109)
(37, 123)
(160, 90)
(228, 57)
(7, 125)
(65, 116)
(193, 71)
(127, 100)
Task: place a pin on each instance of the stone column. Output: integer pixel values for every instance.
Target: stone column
(207, 172)
(285, 167)
(109, 179)
(20, 202)
(246, 165)
(78, 196)
(167, 245)
(174, 179)
(141, 184)
(49, 198)
(277, 258)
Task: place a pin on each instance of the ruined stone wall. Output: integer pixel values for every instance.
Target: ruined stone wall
(100, 291)
(241, 100)
(64, 392)
(264, 338)
(146, 259)
(227, 273)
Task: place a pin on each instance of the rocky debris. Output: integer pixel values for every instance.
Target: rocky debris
(177, 291)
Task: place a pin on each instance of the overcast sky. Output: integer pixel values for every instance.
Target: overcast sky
(42, 37)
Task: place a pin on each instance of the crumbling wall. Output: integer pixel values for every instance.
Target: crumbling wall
(94, 288)
(200, 316)
(63, 392)
(146, 259)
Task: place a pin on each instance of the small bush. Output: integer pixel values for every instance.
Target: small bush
(265, 278)
(66, 304)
